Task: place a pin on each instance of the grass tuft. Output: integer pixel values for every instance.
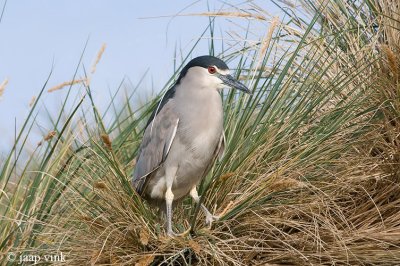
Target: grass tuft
(309, 176)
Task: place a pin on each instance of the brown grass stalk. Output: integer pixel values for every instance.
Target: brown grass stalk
(230, 14)
(66, 83)
(98, 58)
(3, 86)
(32, 101)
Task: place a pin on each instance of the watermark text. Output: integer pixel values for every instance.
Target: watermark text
(34, 258)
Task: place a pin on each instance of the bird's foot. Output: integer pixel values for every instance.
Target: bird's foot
(171, 234)
(211, 218)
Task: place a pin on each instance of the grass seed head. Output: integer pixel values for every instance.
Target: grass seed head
(392, 60)
(194, 246)
(107, 141)
(232, 14)
(50, 135)
(98, 58)
(100, 185)
(226, 176)
(144, 236)
(66, 83)
(3, 87)
(145, 261)
(32, 101)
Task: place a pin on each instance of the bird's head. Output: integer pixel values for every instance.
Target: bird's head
(209, 72)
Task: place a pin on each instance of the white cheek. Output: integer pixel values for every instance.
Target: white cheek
(215, 82)
(221, 86)
(224, 72)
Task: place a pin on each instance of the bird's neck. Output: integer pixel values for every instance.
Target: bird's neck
(202, 106)
(201, 98)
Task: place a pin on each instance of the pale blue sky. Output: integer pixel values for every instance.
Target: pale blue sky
(37, 33)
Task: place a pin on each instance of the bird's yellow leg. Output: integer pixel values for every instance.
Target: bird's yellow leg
(169, 197)
(209, 217)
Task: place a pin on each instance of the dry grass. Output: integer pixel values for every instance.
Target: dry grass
(66, 83)
(96, 62)
(32, 101)
(314, 182)
(84, 81)
(3, 87)
(346, 212)
(98, 58)
(230, 14)
(348, 217)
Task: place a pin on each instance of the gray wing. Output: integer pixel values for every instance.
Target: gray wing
(156, 143)
(218, 153)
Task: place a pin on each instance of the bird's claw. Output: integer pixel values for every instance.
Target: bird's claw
(171, 234)
(211, 218)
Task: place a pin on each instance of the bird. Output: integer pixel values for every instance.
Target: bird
(184, 136)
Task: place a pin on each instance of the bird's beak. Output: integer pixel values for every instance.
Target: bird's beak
(230, 81)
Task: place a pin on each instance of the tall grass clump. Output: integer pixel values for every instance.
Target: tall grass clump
(310, 173)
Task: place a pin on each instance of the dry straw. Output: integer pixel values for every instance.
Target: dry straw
(98, 57)
(224, 177)
(194, 246)
(100, 185)
(50, 135)
(230, 14)
(226, 209)
(94, 66)
(32, 101)
(266, 42)
(145, 261)
(392, 59)
(107, 141)
(268, 37)
(144, 236)
(85, 81)
(3, 87)
(66, 83)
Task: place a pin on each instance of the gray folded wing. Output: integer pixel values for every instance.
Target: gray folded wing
(218, 154)
(157, 140)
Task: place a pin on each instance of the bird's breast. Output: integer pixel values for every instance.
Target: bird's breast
(201, 123)
(199, 130)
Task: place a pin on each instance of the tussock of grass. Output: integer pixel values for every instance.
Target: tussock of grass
(310, 175)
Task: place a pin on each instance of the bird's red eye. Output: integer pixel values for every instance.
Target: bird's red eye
(212, 70)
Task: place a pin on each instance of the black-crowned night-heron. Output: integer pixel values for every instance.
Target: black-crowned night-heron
(184, 136)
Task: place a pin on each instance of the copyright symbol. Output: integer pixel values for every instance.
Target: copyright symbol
(11, 256)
